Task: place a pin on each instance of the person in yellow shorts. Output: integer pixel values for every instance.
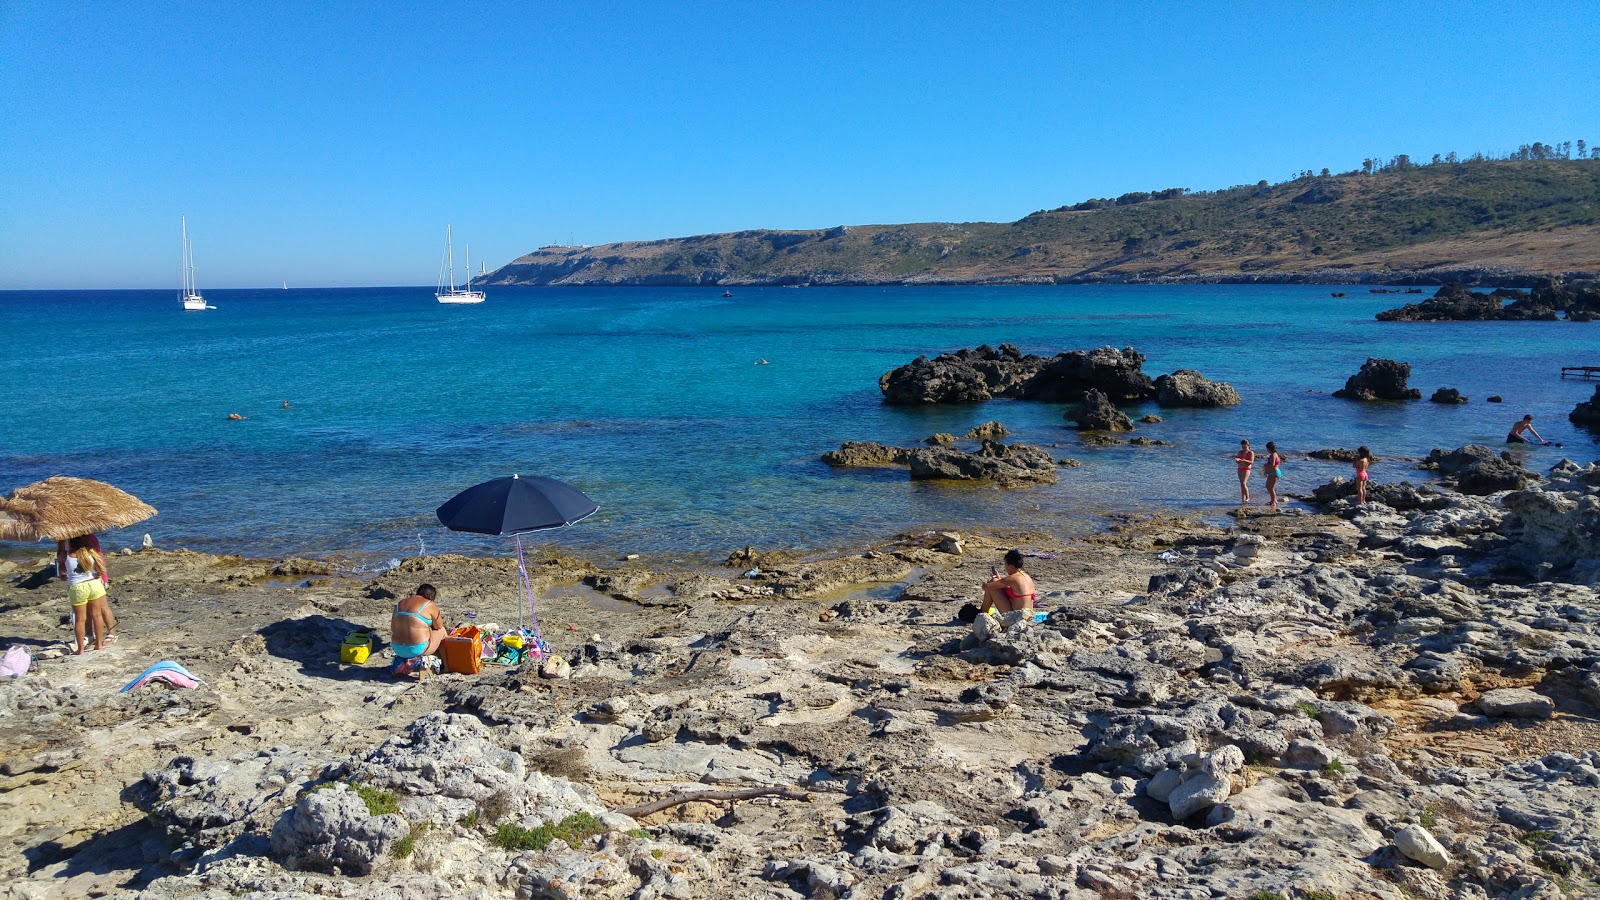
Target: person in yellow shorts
(85, 572)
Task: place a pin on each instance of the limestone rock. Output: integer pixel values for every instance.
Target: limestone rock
(1418, 844)
(555, 667)
(1380, 379)
(331, 830)
(1096, 413)
(1516, 703)
(1186, 387)
(1199, 794)
(1447, 395)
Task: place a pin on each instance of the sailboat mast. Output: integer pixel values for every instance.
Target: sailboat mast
(469, 267)
(450, 251)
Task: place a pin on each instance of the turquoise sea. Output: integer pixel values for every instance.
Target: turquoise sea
(649, 401)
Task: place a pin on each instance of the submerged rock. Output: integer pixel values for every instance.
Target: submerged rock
(1380, 379)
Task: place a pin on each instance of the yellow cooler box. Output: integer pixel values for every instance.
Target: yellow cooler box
(357, 647)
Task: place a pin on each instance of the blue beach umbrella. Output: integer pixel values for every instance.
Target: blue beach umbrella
(516, 506)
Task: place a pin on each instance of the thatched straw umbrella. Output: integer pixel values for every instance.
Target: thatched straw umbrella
(60, 508)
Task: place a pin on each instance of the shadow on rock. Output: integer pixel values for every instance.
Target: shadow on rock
(314, 642)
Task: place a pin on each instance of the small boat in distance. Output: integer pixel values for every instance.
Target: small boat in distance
(447, 291)
(188, 293)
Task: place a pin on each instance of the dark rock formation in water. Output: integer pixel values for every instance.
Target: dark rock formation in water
(984, 373)
(1003, 464)
(1096, 413)
(1380, 379)
(1579, 301)
(1447, 395)
(1587, 413)
(1186, 387)
(866, 453)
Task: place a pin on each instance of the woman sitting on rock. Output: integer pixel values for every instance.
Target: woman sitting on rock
(1011, 591)
(415, 631)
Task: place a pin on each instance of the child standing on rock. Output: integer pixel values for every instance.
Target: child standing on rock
(87, 577)
(1245, 459)
(1273, 470)
(1363, 461)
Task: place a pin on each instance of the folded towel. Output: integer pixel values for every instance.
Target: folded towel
(165, 670)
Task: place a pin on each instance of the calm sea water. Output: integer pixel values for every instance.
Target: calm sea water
(648, 400)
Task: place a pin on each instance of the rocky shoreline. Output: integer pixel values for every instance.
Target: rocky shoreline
(1394, 701)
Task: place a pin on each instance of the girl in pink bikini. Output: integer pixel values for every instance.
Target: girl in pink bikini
(1363, 461)
(1011, 591)
(1245, 459)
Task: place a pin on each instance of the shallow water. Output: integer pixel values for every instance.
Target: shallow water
(649, 401)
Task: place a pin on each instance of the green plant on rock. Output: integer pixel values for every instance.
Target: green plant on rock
(572, 831)
(1333, 768)
(379, 802)
(1267, 895)
(403, 847)
(1537, 839)
(470, 820)
(1309, 709)
(1429, 817)
(1319, 895)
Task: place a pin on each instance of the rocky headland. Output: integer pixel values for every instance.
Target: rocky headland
(1396, 700)
(1401, 224)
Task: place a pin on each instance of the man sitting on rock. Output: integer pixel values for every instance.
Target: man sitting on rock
(1520, 430)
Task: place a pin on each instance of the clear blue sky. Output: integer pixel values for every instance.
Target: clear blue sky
(330, 143)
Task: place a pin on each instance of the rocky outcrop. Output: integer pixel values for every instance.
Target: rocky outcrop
(1096, 413)
(333, 831)
(1452, 303)
(1587, 412)
(1548, 301)
(985, 373)
(1186, 387)
(866, 453)
(1068, 376)
(986, 431)
(1380, 379)
(1476, 469)
(1004, 464)
(1447, 395)
(1560, 534)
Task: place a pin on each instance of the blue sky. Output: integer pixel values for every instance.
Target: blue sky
(330, 143)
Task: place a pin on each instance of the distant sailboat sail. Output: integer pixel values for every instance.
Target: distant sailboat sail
(189, 293)
(447, 291)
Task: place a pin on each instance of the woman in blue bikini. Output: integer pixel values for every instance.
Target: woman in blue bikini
(416, 630)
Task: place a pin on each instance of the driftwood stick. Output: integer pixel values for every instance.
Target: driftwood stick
(645, 809)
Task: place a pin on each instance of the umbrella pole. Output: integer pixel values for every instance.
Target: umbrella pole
(527, 591)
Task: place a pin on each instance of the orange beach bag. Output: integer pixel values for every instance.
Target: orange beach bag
(462, 651)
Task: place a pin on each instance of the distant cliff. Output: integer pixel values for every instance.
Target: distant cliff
(1482, 221)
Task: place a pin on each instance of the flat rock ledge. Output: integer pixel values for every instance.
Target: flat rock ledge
(1374, 701)
(1007, 465)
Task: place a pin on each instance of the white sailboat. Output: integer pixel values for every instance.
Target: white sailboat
(447, 291)
(189, 293)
